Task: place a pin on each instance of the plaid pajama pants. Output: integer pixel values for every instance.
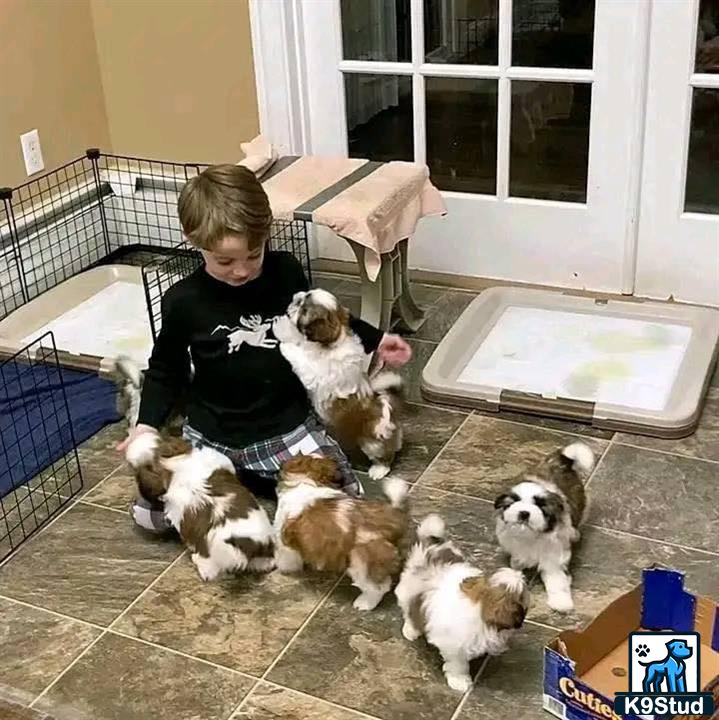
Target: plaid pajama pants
(264, 458)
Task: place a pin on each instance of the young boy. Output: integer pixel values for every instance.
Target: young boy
(244, 399)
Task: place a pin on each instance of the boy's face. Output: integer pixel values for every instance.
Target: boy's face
(232, 262)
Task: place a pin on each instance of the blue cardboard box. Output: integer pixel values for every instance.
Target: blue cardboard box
(584, 669)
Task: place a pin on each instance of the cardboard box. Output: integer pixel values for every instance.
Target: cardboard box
(583, 669)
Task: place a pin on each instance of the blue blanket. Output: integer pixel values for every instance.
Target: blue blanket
(43, 409)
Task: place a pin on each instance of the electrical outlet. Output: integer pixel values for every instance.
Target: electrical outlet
(32, 152)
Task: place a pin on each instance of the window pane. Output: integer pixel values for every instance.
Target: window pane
(702, 193)
(376, 30)
(708, 37)
(379, 116)
(462, 134)
(553, 33)
(549, 140)
(463, 33)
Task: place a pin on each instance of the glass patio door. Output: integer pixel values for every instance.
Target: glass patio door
(524, 110)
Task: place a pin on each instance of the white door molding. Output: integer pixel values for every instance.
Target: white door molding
(280, 73)
(678, 249)
(299, 68)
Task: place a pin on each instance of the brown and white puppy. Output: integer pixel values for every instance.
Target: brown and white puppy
(204, 500)
(329, 359)
(460, 611)
(320, 526)
(538, 519)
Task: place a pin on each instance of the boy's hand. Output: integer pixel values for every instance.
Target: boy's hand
(137, 430)
(394, 350)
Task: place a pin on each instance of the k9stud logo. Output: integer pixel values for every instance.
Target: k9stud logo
(664, 676)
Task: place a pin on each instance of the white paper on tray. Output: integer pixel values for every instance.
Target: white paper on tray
(110, 323)
(599, 359)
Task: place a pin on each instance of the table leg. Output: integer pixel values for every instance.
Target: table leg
(411, 315)
(377, 297)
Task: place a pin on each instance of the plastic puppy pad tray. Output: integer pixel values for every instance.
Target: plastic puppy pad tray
(641, 367)
(95, 316)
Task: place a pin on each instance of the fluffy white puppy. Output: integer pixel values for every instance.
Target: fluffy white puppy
(459, 610)
(538, 519)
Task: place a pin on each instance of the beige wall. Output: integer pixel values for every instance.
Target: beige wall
(50, 81)
(178, 77)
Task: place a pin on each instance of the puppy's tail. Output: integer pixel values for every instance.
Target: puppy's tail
(396, 491)
(432, 530)
(129, 370)
(580, 457)
(387, 383)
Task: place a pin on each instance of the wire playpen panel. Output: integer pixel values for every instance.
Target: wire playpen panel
(97, 210)
(39, 465)
(100, 209)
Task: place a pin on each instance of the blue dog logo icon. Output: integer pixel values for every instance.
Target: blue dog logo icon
(664, 677)
(669, 672)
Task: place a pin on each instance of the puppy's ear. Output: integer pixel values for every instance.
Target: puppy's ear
(171, 446)
(551, 504)
(327, 472)
(474, 587)
(323, 330)
(152, 482)
(323, 470)
(503, 609)
(503, 501)
(321, 325)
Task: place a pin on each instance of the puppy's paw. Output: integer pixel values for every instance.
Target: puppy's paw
(262, 564)
(377, 472)
(461, 683)
(366, 602)
(561, 602)
(205, 569)
(288, 566)
(282, 329)
(410, 632)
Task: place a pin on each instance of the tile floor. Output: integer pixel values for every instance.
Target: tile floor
(98, 622)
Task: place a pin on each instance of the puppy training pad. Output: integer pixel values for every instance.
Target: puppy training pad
(642, 367)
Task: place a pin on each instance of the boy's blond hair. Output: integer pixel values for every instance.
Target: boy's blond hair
(224, 200)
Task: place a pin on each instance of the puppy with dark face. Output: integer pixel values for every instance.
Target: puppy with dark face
(538, 519)
(458, 609)
(361, 413)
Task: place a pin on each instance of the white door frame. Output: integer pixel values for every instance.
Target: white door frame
(678, 251)
(291, 80)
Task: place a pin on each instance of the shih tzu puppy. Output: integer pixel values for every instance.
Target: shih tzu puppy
(204, 500)
(459, 610)
(318, 525)
(328, 358)
(538, 520)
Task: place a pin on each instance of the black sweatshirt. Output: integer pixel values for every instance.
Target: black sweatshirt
(243, 389)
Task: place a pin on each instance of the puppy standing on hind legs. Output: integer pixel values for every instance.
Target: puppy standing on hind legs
(538, 520)
(460, 611)
(360, 412)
